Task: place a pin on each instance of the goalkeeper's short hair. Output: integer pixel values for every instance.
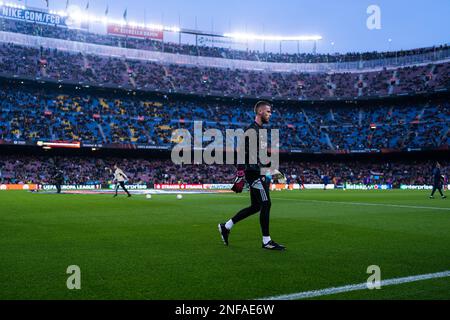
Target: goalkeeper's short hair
(261, 104)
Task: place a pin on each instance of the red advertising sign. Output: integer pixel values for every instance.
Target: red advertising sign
(137, 32)
(179, 186)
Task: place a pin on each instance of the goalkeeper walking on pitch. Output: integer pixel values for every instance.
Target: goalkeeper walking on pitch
(259, 186)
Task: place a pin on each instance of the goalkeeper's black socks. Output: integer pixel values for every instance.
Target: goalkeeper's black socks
(264, 218)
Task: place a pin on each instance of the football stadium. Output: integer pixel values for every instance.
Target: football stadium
(126, 157)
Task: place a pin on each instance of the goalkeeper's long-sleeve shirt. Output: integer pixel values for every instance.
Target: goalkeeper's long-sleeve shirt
(252, 166)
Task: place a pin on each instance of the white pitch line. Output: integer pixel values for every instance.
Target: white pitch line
(366, 204)
(360, 203)
(357, 287)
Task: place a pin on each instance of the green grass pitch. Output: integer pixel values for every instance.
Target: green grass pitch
(165, 248)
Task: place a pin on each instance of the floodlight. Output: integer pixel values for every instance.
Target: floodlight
(248, 36)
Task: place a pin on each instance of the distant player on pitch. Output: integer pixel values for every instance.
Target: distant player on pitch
(438, 180)
(259, 186)
(119, 178)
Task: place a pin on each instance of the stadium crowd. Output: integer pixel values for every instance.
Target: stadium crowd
(82, 170)
(62, 66)
(81, 35)
(43, 114)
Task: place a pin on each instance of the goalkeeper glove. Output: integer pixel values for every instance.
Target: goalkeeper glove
(239, 182)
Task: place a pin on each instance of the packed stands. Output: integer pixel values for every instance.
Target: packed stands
(62, 66)
(43, 114)
(207, 51)
(86, 170)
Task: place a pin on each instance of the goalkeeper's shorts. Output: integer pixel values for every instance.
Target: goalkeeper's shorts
(259, 190)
